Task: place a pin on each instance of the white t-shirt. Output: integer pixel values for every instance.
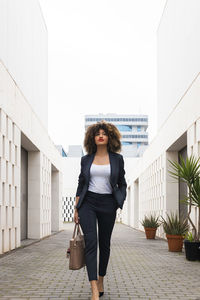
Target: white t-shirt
(100, 179)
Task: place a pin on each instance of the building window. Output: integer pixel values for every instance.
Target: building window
(138, 144)
(64, 153)
(118, 119)
(135, 136)
(126, 143)
(138, 128)
(124, 127)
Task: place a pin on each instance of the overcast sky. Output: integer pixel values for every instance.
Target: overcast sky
(102, 59)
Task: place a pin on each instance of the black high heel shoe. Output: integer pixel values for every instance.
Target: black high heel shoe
(101, 294)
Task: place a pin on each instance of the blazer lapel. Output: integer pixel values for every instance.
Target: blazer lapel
(88, 165)
(111, 157)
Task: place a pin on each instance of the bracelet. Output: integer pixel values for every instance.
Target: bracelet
(75, 207)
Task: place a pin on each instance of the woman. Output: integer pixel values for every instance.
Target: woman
(102, 172)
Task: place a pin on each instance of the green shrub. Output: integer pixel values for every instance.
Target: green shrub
(189, 236)
(150, 221)
(173, 225)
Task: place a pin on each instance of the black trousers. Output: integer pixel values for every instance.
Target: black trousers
(95, 208)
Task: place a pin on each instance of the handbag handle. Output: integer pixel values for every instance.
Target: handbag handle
(77, 225)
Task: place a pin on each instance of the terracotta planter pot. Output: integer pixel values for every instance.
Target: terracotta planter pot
(175, 242)
(150, 232)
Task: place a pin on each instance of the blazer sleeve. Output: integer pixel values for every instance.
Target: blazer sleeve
(81, 180)
(122, 181)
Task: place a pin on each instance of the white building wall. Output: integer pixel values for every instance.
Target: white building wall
(23, 51)
(157, 190)
(194, 148)
(9, 183)
(178, 47)
(39, 194)
(151, 189)
(17, 118)
(56, 200)
(154, 190)
(45, 195)
(23, 123)
(71, 170)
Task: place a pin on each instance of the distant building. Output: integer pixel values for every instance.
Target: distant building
(75, 151)
(132, 128)
(61, 150)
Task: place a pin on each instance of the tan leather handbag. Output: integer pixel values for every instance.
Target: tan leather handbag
(76, 250)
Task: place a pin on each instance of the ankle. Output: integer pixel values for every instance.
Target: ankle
(95, 297)
(101, 279)
(100, 283)
(94, 286)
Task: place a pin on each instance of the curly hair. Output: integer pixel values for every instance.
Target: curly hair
(114, 136)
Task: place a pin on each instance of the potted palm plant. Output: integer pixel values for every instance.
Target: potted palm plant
(189, 172)
(175, 230)
(150, 223)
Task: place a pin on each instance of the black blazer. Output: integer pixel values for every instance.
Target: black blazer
(117, 175)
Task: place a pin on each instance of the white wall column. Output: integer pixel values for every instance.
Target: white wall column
(56, 201)
(136, 204)
(34, 194)
(172, 191)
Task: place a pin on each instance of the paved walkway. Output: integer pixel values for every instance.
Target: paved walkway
(138, 269)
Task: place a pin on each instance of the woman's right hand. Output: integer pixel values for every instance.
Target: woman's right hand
(76, 218)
